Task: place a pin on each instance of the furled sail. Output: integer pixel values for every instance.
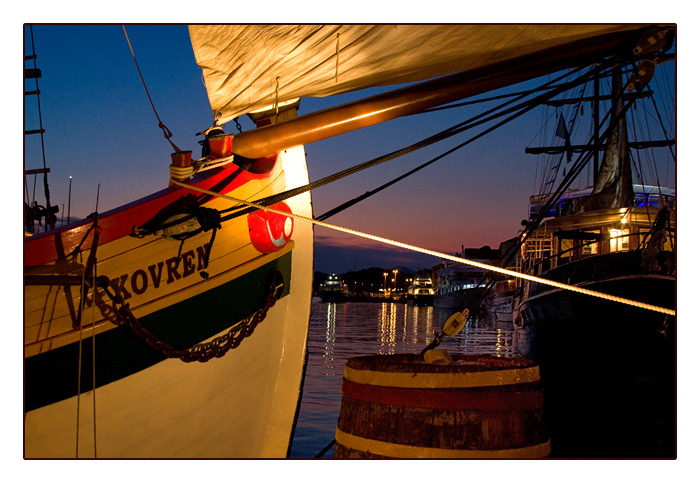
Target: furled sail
(615, 176)
(251, 67)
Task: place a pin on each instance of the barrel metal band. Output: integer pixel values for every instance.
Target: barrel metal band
(502, 377)
(393, 450)
(449, 399)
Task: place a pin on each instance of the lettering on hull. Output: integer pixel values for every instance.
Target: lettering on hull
(163, 272)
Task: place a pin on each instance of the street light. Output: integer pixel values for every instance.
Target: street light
(385, 274)
(70, 185)
(395, 272)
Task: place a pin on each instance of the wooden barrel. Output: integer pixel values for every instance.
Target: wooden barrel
(477, 406)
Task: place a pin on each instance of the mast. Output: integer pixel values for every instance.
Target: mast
(596, 126)
(612, 181)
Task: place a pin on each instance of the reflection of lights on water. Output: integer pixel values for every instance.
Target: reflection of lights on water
(422, 325)
(429, 327)
(387, 330)
(404, 333)
(414, 324)
(419, 325)
(478, 338)
(328, 350)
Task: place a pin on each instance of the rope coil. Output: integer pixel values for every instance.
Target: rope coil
(178, 173)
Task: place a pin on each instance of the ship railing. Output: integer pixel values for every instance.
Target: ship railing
(569, 255)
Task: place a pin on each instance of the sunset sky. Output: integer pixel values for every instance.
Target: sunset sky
(101, 130)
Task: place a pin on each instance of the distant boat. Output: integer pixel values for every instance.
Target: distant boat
(420, 292)
(459, 286)
(333, 289)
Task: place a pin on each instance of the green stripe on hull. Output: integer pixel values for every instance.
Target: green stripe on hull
(52, 376)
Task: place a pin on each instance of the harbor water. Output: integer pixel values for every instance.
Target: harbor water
(339, 331)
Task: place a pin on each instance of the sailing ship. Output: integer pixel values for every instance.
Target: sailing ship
(175, 326)
(614, 237)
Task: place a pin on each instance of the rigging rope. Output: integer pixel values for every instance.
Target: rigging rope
(434, 253)
(80, 366)
(482, 118)
(166, 131)
(94, 364)
(525, 106)
(180, 174)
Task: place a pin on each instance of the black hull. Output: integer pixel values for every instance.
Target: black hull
(460, 300)
(332, 297)
(420, 300)
(608, 369)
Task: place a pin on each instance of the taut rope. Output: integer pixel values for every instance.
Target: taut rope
(434, 253)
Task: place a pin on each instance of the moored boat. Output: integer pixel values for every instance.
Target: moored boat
(333, 289)
(420, 292)
(458, 286)
(498, 303)
(617, 238)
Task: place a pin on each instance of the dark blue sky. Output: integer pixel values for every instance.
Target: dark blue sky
(101, 130)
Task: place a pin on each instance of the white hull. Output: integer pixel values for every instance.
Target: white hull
(241, 405)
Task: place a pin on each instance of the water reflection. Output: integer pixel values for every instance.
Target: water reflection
(387, 328)
(340, 331)
(479, 337)
(328, 355)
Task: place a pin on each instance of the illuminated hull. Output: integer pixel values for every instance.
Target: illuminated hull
(146, 405)
(608, 369)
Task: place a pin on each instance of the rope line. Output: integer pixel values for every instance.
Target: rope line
(80, 367)
(166, 131)
(434, 253)
(198, 166)
(447, 133)
(94, 366)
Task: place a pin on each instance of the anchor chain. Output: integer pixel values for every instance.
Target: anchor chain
(202, 352)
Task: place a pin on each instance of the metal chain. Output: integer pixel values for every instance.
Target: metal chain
(204, 352)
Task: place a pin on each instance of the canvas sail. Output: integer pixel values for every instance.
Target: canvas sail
(251, 67)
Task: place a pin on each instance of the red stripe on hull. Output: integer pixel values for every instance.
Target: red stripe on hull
(117, 223)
